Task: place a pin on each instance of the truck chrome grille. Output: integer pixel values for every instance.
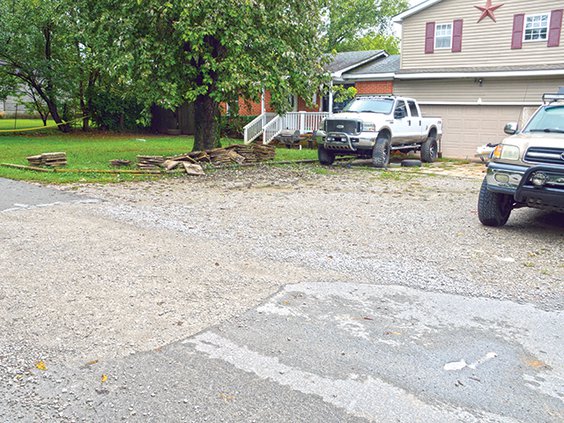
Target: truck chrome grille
(346, 126)
(545, 155)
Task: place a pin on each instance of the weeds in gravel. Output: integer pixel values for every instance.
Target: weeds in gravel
(398, 175)
(320, 170)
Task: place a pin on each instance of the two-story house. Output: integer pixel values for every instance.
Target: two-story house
(478, 63)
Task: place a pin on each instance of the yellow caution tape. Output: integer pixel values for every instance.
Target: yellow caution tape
(42, 127)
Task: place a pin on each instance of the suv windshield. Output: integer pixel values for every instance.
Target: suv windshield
(370, 105)
(548, 119)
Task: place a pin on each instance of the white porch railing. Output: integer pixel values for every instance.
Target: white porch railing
(254, 128)
(304, 122)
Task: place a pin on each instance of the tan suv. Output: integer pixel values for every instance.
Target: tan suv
(527, 168)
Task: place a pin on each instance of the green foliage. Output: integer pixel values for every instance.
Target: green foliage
(389, 43)
(115, 112)
(233, 126)
(342, 94)
(350, 20)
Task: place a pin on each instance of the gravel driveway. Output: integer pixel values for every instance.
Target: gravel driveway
(155, 262)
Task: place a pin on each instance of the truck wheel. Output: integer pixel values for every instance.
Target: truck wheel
(493, 208)
(381, 152)
(429, 150)
(411, 163)
(325, 156)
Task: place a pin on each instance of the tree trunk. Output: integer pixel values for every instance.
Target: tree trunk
(206, 130)
(83, 107)
(53, 110)
(49, 94)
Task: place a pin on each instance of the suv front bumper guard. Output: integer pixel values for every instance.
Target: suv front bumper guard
(550, 194)
(339, 145)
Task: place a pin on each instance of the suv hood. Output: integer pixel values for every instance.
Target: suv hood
(536, 139)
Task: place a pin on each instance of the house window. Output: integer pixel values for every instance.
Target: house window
(536, 28)
(443, 36)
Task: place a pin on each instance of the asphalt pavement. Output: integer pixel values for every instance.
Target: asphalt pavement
(326, 352)
(22, 195)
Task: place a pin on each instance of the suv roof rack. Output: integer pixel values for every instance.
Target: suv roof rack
(549, 98)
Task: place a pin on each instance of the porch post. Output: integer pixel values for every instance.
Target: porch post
(263, 109)
(330, 98)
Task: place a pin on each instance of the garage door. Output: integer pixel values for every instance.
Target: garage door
(467, 127)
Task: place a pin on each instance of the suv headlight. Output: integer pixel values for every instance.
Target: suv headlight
(368, 127)
(506, 152)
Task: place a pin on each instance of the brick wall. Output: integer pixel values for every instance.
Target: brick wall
(250, 108)
(303, 108)
(374, 87)
(253, 109)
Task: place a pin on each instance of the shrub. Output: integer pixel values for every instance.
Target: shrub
(233, 126)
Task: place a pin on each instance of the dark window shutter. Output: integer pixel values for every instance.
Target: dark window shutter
(555, 28)
(518, 25)
(430, 38)
(457, 36)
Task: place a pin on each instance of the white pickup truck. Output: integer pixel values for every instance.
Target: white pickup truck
(374, 126)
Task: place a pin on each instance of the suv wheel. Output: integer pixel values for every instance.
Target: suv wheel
(325, 156)
(381, 152)
(493, 208)
(429, 150)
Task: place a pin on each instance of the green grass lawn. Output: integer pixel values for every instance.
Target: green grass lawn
(94, 151)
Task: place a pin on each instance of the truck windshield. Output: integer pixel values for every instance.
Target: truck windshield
(370, 105)
(548, 119)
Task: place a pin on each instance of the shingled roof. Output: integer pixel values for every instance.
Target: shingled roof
(386, 65)
(350, 59)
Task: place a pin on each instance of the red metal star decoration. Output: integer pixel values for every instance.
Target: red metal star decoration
(488, 10)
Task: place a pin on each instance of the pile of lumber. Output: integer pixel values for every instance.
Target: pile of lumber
(48, 159)
(234, 154)
(150, 162)
(120, 162)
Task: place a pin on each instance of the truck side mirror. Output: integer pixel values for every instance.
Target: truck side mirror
(511, 128)
(399, 114)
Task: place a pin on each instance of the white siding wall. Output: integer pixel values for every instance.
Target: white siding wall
(510, 90)
(484, 44)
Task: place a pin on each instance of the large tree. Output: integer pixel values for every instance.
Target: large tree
(213, 51)
(57, 51)
(348, 21)
(372, 41)
(32, 52)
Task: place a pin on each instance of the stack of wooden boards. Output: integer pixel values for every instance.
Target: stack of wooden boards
(48, 159)
(234, 154)
(150, 162)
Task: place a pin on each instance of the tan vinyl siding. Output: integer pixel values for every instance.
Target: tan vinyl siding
(465, 128)
(484, 44)
(496, 90)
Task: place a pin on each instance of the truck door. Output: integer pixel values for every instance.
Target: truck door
(416, 122)
(402, 124)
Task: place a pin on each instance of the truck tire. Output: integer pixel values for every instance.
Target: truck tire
(381, 152)
(410, 163)
(429, 150)
(325, 156)
(493, 208)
